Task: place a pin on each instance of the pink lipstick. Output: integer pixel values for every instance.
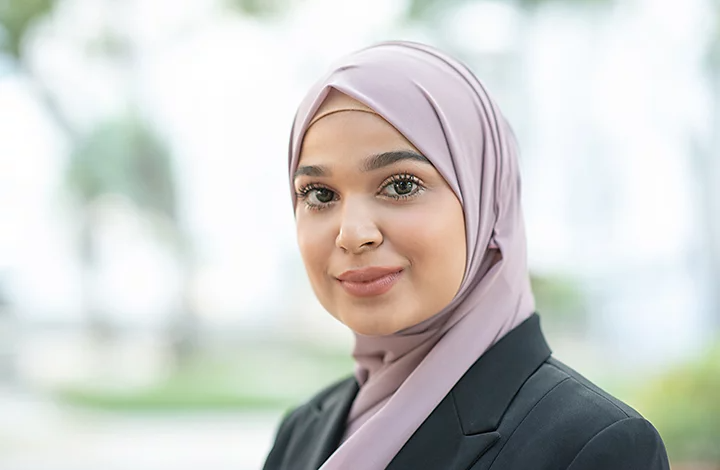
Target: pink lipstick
(371, 281)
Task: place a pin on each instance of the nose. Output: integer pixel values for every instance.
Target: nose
(358, 230)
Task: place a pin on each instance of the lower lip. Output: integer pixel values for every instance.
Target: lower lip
(372, 288)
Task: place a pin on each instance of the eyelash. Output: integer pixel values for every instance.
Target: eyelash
(304, 192)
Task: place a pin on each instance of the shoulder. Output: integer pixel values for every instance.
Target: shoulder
(572, 423)
(316, 402)
(630, 443)
(294, 434)
(580, 395)
(565, 401)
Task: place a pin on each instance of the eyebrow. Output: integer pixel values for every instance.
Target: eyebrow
(372, 163)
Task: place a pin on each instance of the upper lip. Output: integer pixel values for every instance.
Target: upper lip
(368, 274)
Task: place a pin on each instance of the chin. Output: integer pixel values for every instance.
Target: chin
(372, 324)
(371, 330)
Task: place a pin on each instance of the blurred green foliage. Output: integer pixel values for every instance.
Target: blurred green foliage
(17, 17)
(264, 9)
(424, 10)
(684, 404)
(416, 10)
(173, 395)
(247, 378)
(125, 157)
(237, 380)
(559, 299)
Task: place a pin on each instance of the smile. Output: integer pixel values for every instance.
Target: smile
(369, 282)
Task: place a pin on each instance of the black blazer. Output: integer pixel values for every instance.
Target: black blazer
(516, 408)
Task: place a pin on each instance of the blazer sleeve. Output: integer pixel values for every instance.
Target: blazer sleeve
(276, 456)
(628, 444)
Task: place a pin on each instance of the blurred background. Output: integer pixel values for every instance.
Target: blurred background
(154, 311)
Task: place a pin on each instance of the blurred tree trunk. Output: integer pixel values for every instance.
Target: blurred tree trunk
(184, 330)
(707, 166)
(140, 170)
(47, 100)
(18, 18)
(8, 335)
(98, 327)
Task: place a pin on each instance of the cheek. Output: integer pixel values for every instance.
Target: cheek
(431, 229)
(433, 239)
(315, 243)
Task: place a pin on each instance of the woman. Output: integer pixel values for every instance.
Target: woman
(405, 181)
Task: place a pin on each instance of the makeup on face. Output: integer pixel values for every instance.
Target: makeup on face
(381, 233)
(370, 281)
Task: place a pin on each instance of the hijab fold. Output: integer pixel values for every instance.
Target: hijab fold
(446, 113)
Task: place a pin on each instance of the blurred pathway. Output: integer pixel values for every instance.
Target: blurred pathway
(38, 435)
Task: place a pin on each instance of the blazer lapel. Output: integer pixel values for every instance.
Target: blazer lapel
(324, 428)
(441, 444)
(463, 427)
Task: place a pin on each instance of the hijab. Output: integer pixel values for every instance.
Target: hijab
(446, 113)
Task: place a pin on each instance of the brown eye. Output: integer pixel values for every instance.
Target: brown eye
(324, 195)
(316, 197)
(403, 188)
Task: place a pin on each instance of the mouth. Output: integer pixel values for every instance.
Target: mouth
(369, 282)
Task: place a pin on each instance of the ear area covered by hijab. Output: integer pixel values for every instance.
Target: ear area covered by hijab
(446, 113)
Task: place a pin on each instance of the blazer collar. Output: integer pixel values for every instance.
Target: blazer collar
(326, 425)
(461, 428)
(505, 367)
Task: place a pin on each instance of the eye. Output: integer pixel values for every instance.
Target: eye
(401, 186)
(316, 197)
(323, 195)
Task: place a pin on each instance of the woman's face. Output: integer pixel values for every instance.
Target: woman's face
(381, 233)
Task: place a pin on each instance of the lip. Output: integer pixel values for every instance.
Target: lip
(371, 281)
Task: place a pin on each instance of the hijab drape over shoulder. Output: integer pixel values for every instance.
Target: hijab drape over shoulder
(447, 114)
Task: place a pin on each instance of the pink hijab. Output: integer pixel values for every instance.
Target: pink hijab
(442, 109)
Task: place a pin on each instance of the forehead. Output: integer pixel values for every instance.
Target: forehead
(343, 125)
(336, 101)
